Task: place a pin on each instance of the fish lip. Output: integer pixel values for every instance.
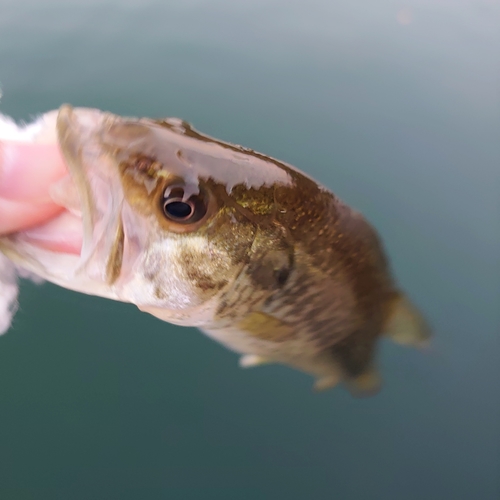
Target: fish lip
(70, 144)
(78, 134)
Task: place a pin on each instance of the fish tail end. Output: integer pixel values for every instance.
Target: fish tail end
(406, 325)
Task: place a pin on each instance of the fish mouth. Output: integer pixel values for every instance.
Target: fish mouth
(93, 197)
(94, 174)
(68, 129)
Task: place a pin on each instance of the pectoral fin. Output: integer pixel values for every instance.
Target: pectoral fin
(251, 360)
(326, 382)
(263, 326)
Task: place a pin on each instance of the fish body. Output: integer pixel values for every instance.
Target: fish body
(200, 232)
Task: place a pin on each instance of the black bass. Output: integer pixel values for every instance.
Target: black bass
(199, 232)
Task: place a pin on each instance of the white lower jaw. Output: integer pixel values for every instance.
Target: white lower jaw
(58, 268)
(53, 253)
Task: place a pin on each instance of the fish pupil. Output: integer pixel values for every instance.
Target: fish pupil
(181, 209)
(178, 209)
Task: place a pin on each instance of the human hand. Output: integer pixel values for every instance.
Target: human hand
(26, 174)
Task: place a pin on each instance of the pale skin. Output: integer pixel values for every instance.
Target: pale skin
(26, 173)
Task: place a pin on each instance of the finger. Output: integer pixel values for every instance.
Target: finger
(28, 170)
(26, 173)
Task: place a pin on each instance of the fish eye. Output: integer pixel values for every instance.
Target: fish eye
(178, 209)
(184, 211)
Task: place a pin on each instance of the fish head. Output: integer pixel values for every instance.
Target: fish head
(168, 216)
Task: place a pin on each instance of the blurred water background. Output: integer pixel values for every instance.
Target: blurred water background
(394, 106)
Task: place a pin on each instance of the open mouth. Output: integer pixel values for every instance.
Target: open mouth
(62, 234)
(85, 237)
(66, 232)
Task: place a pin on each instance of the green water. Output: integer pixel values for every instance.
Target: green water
(393, 105)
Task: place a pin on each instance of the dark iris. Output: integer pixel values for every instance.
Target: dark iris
(177, 209)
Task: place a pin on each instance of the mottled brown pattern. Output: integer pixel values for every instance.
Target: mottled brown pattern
(301, 257)
(284, 269)
(203, 280)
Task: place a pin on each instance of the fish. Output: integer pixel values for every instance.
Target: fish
(204, 233)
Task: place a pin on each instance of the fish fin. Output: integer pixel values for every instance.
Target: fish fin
(365, 384)
(251, 360)
(326, 382)
(406, 325)
(266, 327)
(355, 357)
